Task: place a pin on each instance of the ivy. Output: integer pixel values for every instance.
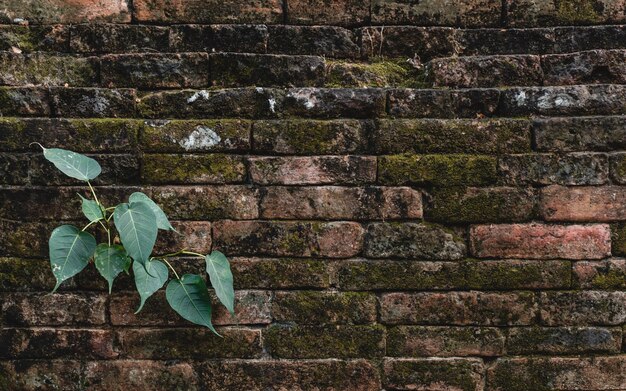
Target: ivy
(135, 224)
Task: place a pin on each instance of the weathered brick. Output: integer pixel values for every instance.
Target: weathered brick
(332, 202)
(459, 308)
(452, 136)
(296, 375)
(518, 274)
(267, 70)
(321, 308)
(49, 343)
(407, 41)
(140, 375)
(25, 239)
(442, 103)
(54, 11)
(203, 12)
(207, 202)
(618, 239)
(268, 273)
(14, 168)
(476, 205)
(437, 170)
(236, 103)
(576, 38)
(361, 274)
(329, 41)
(579, 308)
(580, 134)
(309, 137)
(557, 373)
(93, 102)
(313, 170)
(190, 235)
(196, 136)
(49, 70)
(23, 275)
(29, 375)
(187, 169)
(335, 102)
(477, 13)
(324, 342)
(319, 12)
(433, 374)
(563, 340)
(117, 38)
(548, 169)
(412, 240)
(477, 42)
(485, 71)
(425, 341)
(35, 38)
(188, 343)
(583, 204)
(42, 309)
(155, 70)
(219, 38)
(609, 274)
(617, 163)
(251, 307)
(595, 66)
(24, 101)
(380, 72)
(283, 238)
(527, 13)
(541, 241)
(567, 100)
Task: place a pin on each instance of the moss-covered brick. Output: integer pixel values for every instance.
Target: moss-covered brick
(282, 273)
(34, 38)
(214, 168)
(25, 239)
(118, 38)
(195, 135)
(266, 70)
(341, 341)
(617, 163)
(24, 101)
(242, 38)
(608, 274)
(442, 341)
(413, 240)
(563, 340)
(601, 134)
(437, 170)
(310, 137)
(327, 41)
(476, 205)
(320, 308)
(526, 13)
(433, 373)
(378, 73)
(155, 70)
(618, 239)
(583, 308)
(547, 169)
(93, 102)
(18, 274)
(516, 274)
(18, 69)
(211, 12)
(488, 136)
(189, 343)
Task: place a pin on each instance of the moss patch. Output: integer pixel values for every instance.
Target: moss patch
(378, 73)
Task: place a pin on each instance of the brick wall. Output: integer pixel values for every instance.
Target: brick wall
(414, 195)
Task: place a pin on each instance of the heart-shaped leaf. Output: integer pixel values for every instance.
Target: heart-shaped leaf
(73, 164)
(137, 227)
(91, 209)
(221, 277)
(111, 261)
(70, 250)
(149, 278)
(161, 219)
(190, 298)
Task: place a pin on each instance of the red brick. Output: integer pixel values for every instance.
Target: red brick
(43, 309)
(583, 204)
(319, 12)
(442, 374)
(578, 308)
(472, 13)
(208, 12)
(282, 238)
(139, 375)
(458, 308)
(313, 170)
(541, 241)
(63, 11)
(191, 236)
(331, 202)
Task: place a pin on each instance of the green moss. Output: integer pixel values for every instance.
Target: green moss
(213, 168)
(378, 73)
(25, 274)
(613, 279)
(577, 11)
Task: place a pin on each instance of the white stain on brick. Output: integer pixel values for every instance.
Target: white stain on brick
(199, 94)
(272, 103)
(202, 137)
(306, 97)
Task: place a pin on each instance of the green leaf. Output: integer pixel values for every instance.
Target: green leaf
(162, 221)
(73, 164)
(221, 277)
(137, 227)
(149, 279)
(110, 261)
(91, 209)
(190, 298)
(70, 250)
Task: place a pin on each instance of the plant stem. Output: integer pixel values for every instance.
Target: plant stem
(168, 264)
(95, 197)
(106, 229)
(192, 253)
(89, 225)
